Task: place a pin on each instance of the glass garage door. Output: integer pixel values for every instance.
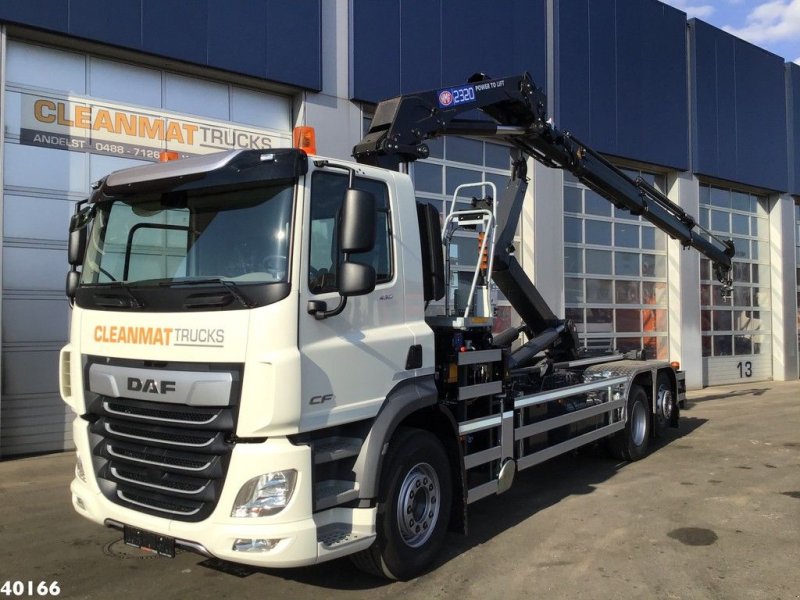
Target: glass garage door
(615, 270)
(736, 337)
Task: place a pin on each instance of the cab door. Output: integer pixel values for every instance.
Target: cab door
(349, 361)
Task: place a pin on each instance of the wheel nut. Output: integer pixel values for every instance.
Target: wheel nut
(417, 484)
(424, 525)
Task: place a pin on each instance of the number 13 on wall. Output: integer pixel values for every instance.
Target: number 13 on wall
(745, 369)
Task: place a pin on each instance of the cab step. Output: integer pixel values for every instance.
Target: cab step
(335, 448)
(333, 492)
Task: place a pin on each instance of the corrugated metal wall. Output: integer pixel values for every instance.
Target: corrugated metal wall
(622, 81)
(401, 47)
(739, 108)
(793, 125)
(269, 39)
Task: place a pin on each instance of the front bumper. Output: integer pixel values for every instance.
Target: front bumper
(305, 537)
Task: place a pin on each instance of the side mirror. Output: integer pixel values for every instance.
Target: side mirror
(356, 231)
(78, 229)
(357, 222)
(356, 279)
(73, 279)
(76, 246)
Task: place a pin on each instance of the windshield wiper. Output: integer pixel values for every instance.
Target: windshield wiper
(229, 285)
(121, 285)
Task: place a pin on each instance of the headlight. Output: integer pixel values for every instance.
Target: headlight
(79, 470)
(265, 495)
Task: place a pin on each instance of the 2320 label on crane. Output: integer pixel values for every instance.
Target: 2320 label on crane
(457, 95)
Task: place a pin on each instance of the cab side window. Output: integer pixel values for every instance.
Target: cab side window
(327, 194)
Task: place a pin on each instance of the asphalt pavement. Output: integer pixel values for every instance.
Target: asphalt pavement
(712, 512)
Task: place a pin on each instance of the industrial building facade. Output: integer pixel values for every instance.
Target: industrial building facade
(91, 86)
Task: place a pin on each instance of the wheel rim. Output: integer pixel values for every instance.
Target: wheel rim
(664, 411)
(418, 505)
(638, 424)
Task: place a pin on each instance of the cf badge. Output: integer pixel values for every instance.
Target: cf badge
(321, 399)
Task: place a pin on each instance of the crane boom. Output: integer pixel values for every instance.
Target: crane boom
(518, 116)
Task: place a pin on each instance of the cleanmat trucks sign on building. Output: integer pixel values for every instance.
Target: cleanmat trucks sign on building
(105, 128)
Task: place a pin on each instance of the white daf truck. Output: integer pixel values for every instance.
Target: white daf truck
(271, 361)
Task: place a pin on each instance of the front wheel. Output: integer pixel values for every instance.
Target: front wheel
(413, 508)
(632, 442)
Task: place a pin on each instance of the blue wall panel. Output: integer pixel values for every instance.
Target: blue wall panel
(704, 101)
(793, 105)
(411, 45)
(278, 40)
(47, 14)
(176, 28)
(420, 44)
(294, 42)
(603, 82)
(375, 63)
(622, 79)
(577, 77)
(119, 23)
(740, 110)
(529, 38)
(237, 41)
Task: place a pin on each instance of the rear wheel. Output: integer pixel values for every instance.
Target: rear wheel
(632, 442)
(413, 508)
(666, 408)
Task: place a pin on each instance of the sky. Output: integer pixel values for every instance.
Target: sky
(771, 24)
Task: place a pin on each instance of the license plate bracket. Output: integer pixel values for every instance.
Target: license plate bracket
(147, 540)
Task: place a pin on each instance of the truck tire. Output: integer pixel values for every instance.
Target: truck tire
(631, 443)
(662, 421)
(413, 507)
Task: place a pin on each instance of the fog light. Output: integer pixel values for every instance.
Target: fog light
(258, 545)
(265, 495)
(79, 472)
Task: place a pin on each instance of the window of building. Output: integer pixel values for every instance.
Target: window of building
(615, 269)
(327, 194)
(739, 325)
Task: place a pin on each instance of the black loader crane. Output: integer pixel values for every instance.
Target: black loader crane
(517, 109)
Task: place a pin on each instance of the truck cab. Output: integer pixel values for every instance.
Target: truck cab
(210, 333)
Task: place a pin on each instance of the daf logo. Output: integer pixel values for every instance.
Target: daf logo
(150, 386)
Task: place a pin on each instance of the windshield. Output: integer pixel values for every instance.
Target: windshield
(177, 237)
